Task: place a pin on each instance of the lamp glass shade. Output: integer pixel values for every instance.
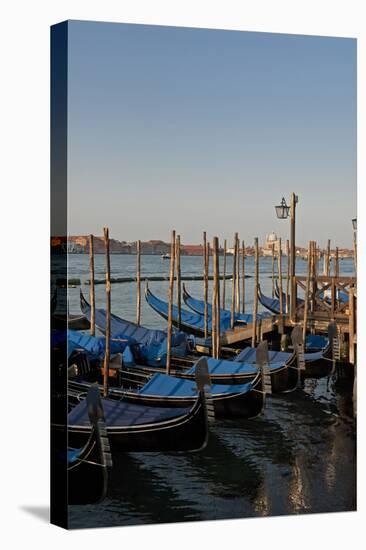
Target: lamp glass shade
(282, 211)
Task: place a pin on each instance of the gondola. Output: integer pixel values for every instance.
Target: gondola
(299, 301)
(229, 401)
(198, 306)
(191, 322)
(135, 427)
(87, 466)
(317, 364)
(222, 372)
(272, 304)
(341, 296)
(149, 345)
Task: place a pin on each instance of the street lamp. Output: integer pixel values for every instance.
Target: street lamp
(354, 224)
(283, 212)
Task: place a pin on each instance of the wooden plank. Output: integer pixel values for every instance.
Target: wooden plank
(239, 334)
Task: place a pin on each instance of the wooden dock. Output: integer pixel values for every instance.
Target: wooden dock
(239, 334)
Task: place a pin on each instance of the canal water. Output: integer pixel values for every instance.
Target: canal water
(298, 457)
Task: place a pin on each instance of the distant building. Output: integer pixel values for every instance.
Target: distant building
(271, 242)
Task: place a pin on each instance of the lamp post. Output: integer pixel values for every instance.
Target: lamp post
(283, 211)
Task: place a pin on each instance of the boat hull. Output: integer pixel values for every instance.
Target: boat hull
(183, 433)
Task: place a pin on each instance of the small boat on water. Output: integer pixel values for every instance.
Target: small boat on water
(148, 345)
(198, 306)
(135, 427)
(191, 322)
(162, 390)
(272, 304)
(317, 363)
(88, 465)
(283, 365)
(165, 256)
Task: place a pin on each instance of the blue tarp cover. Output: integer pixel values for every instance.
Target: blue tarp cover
(247, 355)
(162, 384)
(148, 346)
(121, 413)
(222, 366)
(316, 341)
(93, 345)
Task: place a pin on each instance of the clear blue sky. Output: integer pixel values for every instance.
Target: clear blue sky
(198, 129)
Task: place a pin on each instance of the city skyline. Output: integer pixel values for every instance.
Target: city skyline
(198, 129)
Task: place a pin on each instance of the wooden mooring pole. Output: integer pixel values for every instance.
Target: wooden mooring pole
(138, 282)
(170, 302)
(307, 292)
(108, 312)
(224, 278)
(293, 300)
(218, 335)
(273, 269)
(288, 278)
(255, 297)
(179, 283)
(216, 301)
(205, 283)
(233, 288)
(237, 276)
(279, 267)
(243, 277)
(336, 263)
(91, 287)
(327, 272)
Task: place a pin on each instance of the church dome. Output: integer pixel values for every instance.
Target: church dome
(272, 237)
